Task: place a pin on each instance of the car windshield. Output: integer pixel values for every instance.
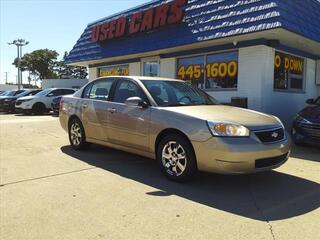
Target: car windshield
(9, 93)
(4, 93)
(43, 93)
(177, 93)
(26, 92)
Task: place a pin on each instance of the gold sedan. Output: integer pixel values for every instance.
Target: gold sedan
(179, 125)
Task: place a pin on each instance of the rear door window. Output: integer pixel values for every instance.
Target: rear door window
(99, 90)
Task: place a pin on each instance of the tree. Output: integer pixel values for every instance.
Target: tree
(39, 63)
(67, 71)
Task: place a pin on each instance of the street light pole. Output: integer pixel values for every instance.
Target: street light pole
(19, 43)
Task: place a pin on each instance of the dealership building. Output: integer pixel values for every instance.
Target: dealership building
(267, 51)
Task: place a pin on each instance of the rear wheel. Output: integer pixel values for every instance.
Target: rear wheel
(176, 158)
(77, 135)
(39, 108)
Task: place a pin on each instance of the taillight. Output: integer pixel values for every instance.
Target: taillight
(61, 104)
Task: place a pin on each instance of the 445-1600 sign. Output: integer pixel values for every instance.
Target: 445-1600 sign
(212, 70)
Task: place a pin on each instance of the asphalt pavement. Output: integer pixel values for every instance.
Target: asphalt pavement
(50, 191)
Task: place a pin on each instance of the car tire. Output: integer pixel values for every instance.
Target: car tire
(176, 158)
(39, 108)
(77, 136)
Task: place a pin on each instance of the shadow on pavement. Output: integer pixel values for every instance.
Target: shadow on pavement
(268, 196)
(306, 153)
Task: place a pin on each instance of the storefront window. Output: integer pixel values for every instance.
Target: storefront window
(191, 70)
(288, 72)
(151, 68)
(118, 70)
(216, 71)
(222, 71)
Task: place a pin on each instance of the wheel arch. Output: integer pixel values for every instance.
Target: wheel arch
(168, 131)
(72, 117)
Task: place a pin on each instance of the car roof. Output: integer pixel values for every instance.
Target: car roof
(143, 78)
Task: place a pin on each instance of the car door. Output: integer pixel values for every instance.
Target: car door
(93, 108)
(128, 125)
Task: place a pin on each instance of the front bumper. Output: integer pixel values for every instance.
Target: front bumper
(24, 105)
(240, 155)
(7, 106)
(306, 133)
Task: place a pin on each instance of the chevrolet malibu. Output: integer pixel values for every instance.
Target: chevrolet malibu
(179, 125)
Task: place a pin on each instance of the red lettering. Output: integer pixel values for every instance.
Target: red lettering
(161, 15)
(135, 23)
(147, 20)
(176, 11)
(104, 31)
(121, 27)
(95, 34)
(169, 13)
(112, 29)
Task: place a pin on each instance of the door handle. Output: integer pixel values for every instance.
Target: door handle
(84, 105)
(112, 110)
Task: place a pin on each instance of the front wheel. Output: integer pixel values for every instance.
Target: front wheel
(39, 108)
(77, 137)
(176, 158)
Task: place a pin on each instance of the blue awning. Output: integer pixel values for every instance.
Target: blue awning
(204, 20)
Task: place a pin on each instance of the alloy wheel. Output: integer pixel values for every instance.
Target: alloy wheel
(75, 134)
(174, 158)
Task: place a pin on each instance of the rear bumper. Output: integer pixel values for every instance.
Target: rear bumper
(240, 155)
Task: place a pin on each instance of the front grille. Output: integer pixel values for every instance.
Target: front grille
(313, 130)
(271, 136)
(269, 162)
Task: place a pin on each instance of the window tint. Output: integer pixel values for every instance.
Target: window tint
(68, 91)
(18, 92)
(57, 92)
(176, 93)
(100, 89)
(126, 89)
(86, 91)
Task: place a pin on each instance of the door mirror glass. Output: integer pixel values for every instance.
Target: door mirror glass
(136, 102)
(310, 101)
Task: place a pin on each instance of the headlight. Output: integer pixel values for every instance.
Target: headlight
(24, 100)
(224, 129)
(301, 119)
(8, 100)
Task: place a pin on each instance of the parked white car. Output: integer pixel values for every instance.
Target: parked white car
(41, 102)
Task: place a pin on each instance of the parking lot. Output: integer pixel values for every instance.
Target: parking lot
(49, 191)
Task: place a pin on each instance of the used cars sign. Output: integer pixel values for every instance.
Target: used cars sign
(165, 14)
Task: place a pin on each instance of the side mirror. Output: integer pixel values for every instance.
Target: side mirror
(136, 102)
(50, 95)
(310, 101)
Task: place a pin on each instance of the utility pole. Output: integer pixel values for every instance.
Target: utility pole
(19, 43)
(6, 73)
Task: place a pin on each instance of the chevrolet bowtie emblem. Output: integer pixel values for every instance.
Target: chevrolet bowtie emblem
(274, 135)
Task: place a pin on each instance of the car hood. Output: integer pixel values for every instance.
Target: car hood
(311, 113)
(8, 97)
(220, 113)
(27, 98)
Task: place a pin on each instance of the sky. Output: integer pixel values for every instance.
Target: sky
(52, 24)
